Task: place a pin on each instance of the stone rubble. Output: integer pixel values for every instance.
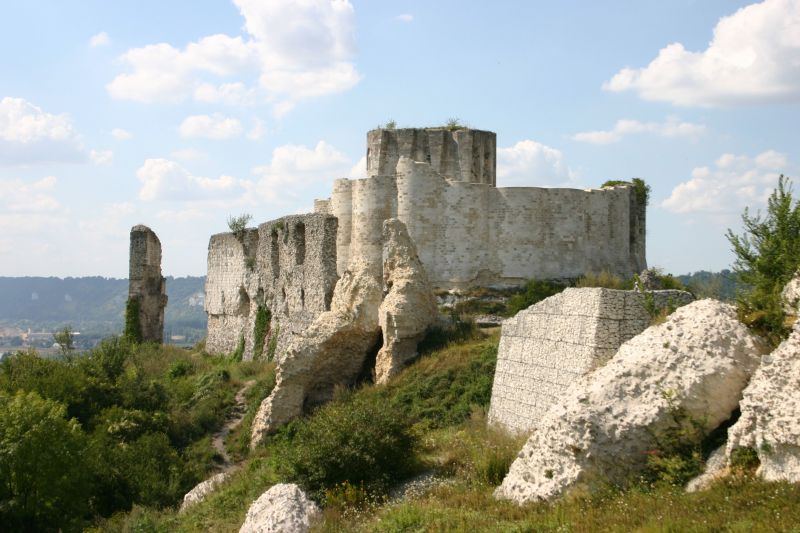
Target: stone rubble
(203, 489)
(699, 361)
(284, 508)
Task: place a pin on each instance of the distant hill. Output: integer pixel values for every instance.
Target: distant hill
(95, 306)
(720, 285)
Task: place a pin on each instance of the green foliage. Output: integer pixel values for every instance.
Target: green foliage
(261, 330)
(273, 344)
(390, 125)
(678, 455)
(718, 285)
(744, 458)
(133, 327)
(250, 262)
(353, 440)
(534, 291)
(278, 226)
(238, 353)
(604, 279)
(459, 330)
(180, 368)
(454, 124)
(476, 453)
(237, 224)
(641, 188)
(767, 257)
(444, 388)
(43, 480)
(65, 339)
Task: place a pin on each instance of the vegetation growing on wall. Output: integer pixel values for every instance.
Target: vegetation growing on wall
(261, 330)
(237, 224)
(133, 326)
(641, 188)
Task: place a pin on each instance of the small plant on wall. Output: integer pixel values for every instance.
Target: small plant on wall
(238, 224)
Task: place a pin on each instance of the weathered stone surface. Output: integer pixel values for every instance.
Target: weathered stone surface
(716, 467)
(203, 489)
(545, 348)
(146, 284)
(770, 419)
(284, 508)
(699, 360)
(468, 232)
(410, 306)
(330, 352)
(791, 296)
(286, 267)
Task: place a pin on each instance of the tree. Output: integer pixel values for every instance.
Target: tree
(767, 257)
(44, 482)
(238, 224)
(65, 339)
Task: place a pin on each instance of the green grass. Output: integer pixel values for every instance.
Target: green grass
(445, 396)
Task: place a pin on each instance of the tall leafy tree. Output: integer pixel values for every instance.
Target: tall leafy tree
(767, 257)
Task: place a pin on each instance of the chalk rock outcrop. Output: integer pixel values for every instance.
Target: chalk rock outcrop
(284, 508)
(716, 467)
(699, 360)
(329, 353)
(791, 296)
(203, 489)
(545, 348)
(146, 286)
(409, 308)
(770, 419)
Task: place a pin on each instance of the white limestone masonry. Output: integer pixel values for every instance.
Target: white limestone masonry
(545, 348)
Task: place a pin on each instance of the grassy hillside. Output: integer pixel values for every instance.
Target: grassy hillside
(438, 405)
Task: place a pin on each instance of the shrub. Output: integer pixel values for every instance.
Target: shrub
(454, 124)
(459, 330)
(535, 291)
(390, 125)
(641, 188)
(767, 257)
(354, 440)
(133, 328)
(260, 330)
(43, 476)
(238, 224)
(65, 340)
(604, 279)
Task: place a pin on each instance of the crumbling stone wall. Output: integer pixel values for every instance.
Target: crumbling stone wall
(545, 348)
(146, 286)
(284, 270)
(441, 185)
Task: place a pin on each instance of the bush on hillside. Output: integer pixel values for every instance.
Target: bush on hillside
(353, 440)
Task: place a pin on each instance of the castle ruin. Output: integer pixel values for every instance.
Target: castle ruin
(441, 185)
(147, 288)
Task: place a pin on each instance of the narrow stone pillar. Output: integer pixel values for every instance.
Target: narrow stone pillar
(147, 288)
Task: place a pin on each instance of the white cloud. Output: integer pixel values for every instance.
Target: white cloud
(405, 17)
(189, 154)
(257, 131)
(672, 127)
(732, 183)
(752, 58)
(359, 170)
(166, 180)
(18, 196)
(101, 157)
(121, 135)
(100, 39)
(293, 50)
(529, 163)
(30, 135)
(214, 126)
(295, 169)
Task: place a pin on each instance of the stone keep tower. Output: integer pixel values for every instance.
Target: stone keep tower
(146, 285)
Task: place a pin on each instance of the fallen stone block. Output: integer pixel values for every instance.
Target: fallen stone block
(284, 508)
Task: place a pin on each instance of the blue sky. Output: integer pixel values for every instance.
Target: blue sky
(178, 114)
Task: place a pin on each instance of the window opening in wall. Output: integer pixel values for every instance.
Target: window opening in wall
(302, 298)
(244, 302)
(299, 238)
